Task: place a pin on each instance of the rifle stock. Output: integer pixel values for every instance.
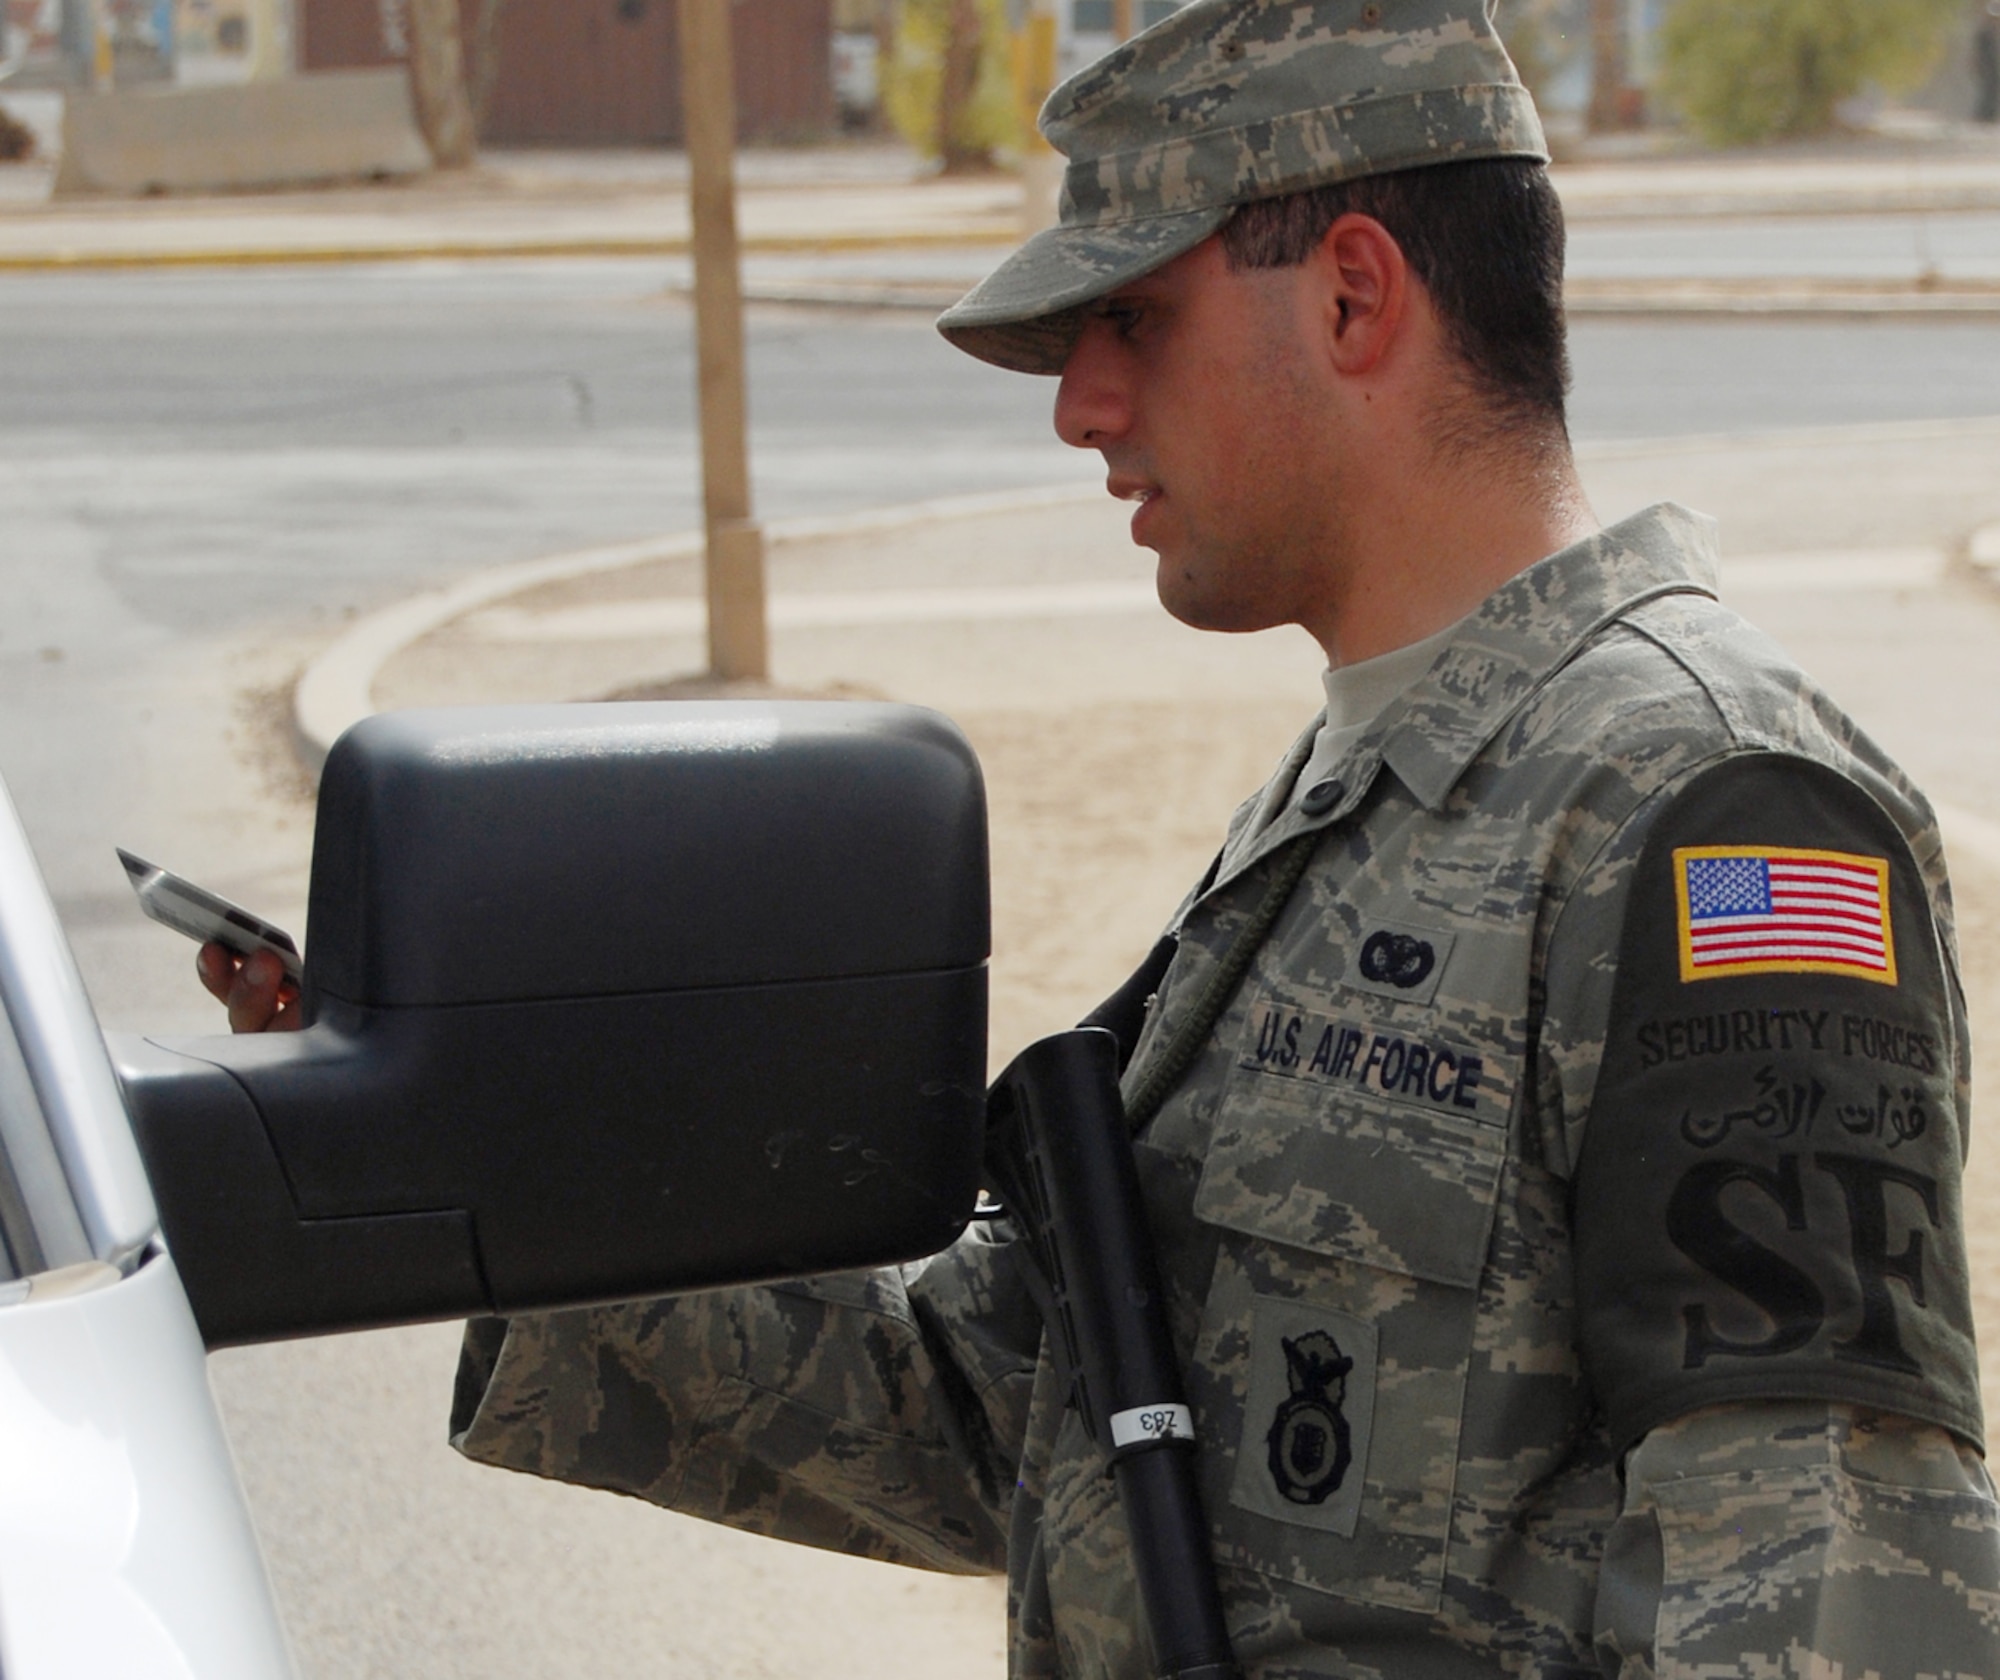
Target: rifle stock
(1059, 1154)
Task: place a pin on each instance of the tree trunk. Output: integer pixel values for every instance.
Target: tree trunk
(885, 55)
(437, 82)
(1607, 66)
(961, 77)
(485, 55)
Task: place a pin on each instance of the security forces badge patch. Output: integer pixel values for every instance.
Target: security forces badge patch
(1308, 1417)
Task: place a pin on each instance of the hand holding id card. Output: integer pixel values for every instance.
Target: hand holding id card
(203, 916)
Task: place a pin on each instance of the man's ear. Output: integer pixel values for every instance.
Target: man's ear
(1364, 288)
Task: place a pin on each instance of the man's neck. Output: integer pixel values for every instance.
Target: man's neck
(1422, 561)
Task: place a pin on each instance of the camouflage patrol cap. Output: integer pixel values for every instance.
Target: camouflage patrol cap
(1228, 101)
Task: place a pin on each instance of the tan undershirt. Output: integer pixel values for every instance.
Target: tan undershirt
(1356, 695)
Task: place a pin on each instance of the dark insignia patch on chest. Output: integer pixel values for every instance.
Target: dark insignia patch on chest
(1399, 960)
(1310, 1444)
(1308, 1415)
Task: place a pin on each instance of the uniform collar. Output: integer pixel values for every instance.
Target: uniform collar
(1503, 653)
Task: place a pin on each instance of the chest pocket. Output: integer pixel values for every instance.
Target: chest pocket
(1354, 1166)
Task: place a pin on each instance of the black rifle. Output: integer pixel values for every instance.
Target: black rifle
(1059, 1153)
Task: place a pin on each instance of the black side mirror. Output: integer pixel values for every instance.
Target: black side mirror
(603, 1002)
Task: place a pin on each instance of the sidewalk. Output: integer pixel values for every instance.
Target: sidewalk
(1038, 598)
(863, 223)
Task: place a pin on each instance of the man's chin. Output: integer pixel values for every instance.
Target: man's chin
(1201, 606)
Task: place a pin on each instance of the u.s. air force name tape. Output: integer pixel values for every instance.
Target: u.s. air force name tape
(1168, 1422)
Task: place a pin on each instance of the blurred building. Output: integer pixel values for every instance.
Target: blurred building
(50, 43)
(597, 72)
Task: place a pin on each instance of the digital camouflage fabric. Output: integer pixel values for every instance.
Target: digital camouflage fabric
(1232, 100)
(1368, 1195)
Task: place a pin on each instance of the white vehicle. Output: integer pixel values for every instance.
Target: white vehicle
(125, 1546)
(535, 937)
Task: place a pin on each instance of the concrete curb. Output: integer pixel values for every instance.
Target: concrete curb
(231, 248)
(1772, 299)
(1579, 207)
(336, 690)
(64, 258)
(1764, 300)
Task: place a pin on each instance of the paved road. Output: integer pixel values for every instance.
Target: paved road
(236, 448)
(1957, 246)
(200, 475)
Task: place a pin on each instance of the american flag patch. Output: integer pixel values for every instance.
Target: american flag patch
(1764, 910)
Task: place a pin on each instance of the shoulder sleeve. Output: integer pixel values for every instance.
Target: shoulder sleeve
(1767, 1200)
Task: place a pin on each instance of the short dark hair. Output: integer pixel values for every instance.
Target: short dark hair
(1485, 236)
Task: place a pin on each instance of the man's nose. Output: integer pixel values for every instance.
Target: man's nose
(1093, 401)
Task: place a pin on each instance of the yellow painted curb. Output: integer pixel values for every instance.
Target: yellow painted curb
(257, 256)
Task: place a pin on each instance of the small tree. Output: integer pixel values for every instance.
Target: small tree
(946, 85)
(485, 57)
(961, 147)
(1608, 55)
(437, 82)
(1748, 70)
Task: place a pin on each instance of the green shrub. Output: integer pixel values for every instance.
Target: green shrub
(1746, 70)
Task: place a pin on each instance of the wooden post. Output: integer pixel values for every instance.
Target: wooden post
(103, 74)
(437, 83)
(268, 58)
(738, 645)
(1121, 20)
(1607, 67)
(1042, 166)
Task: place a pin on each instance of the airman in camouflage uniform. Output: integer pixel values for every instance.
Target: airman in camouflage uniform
(1560, 1220)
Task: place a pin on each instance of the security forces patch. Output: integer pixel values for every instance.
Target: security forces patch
(1767, 1202)
(1398, 961)
(1307, 1420)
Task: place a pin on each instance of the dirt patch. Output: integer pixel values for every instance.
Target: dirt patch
(17, 140)
(1101, 820)
(268, 745)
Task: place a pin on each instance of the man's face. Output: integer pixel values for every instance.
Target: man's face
(1204, 392)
